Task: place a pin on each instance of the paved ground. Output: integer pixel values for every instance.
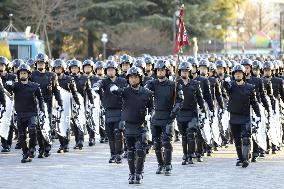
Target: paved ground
(89, 168)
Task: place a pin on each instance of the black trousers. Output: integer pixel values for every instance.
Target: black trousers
(23, 123)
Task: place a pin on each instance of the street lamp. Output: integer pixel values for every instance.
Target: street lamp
(242, 30)
(104, 40)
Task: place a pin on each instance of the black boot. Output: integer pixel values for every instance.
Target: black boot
(118, 159)
(60, 150)
(168, 170)
(47, 151)
(246, 151)
(91, 142)
(189, 160)
(66, 149)
(160, 169)
(18, 146)
(184, 149)
(32, 152)
(184, 159)
(139, 178)
(240, 155)
(199, 158)
(102, 140)
(40, 154)
(131, 178)
(26, 158)
(112, 159)
(125, 154)
(5, 149)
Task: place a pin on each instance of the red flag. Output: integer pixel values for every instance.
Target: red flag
(182, 37)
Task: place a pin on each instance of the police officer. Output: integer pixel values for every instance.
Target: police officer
(88, 70)
(65, 82)
(48, 85)
(27, 98)
(149, 67)
(260, 96)
(136, 100)
(112, 104)
(206, 92)
(168, 98)
(215, 90)
(140, 63)
(277, 89)
(187, 118)
(100, 73)
(241, 97)
(7, 79)
(125, 63)
(84, 89)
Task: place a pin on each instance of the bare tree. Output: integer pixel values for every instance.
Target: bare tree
(49, 16)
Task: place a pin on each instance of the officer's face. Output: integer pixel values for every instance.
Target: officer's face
(203, 70)
(248, 69)
(75, 70)
(184, 74)
(267, 73)
(15, 70)
(111, 72)
(58, 70)
(125, 67)
(148, 67)
(211, 73)
(88, 69)
(220, 70)
(256, 72)
(2, 68)
(134, 80)
(161, 73)
(238, 76)
(23, 75)
(194, 69)
(100, 71)
(40, 66)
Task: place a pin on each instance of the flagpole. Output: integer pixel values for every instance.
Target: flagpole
(178, 55)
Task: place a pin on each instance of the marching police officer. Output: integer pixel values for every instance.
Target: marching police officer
(48, 85)
(7, 80)
(112, 104)
(100, 73)
(136, 101)
(241, 97)
(168, 98)
(65, 82)
(125, 63)
(260, 96)
(27, 98)
(188, 116)
(88, 70)
(84, 89)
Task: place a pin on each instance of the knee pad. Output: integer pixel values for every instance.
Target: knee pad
(157, 146)
(32, 130)
(246, 141)
(191, 136)
(140, 153)
(169, 130)
(118, 134)
(22, 137)
(167, 145)
(238, 141)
